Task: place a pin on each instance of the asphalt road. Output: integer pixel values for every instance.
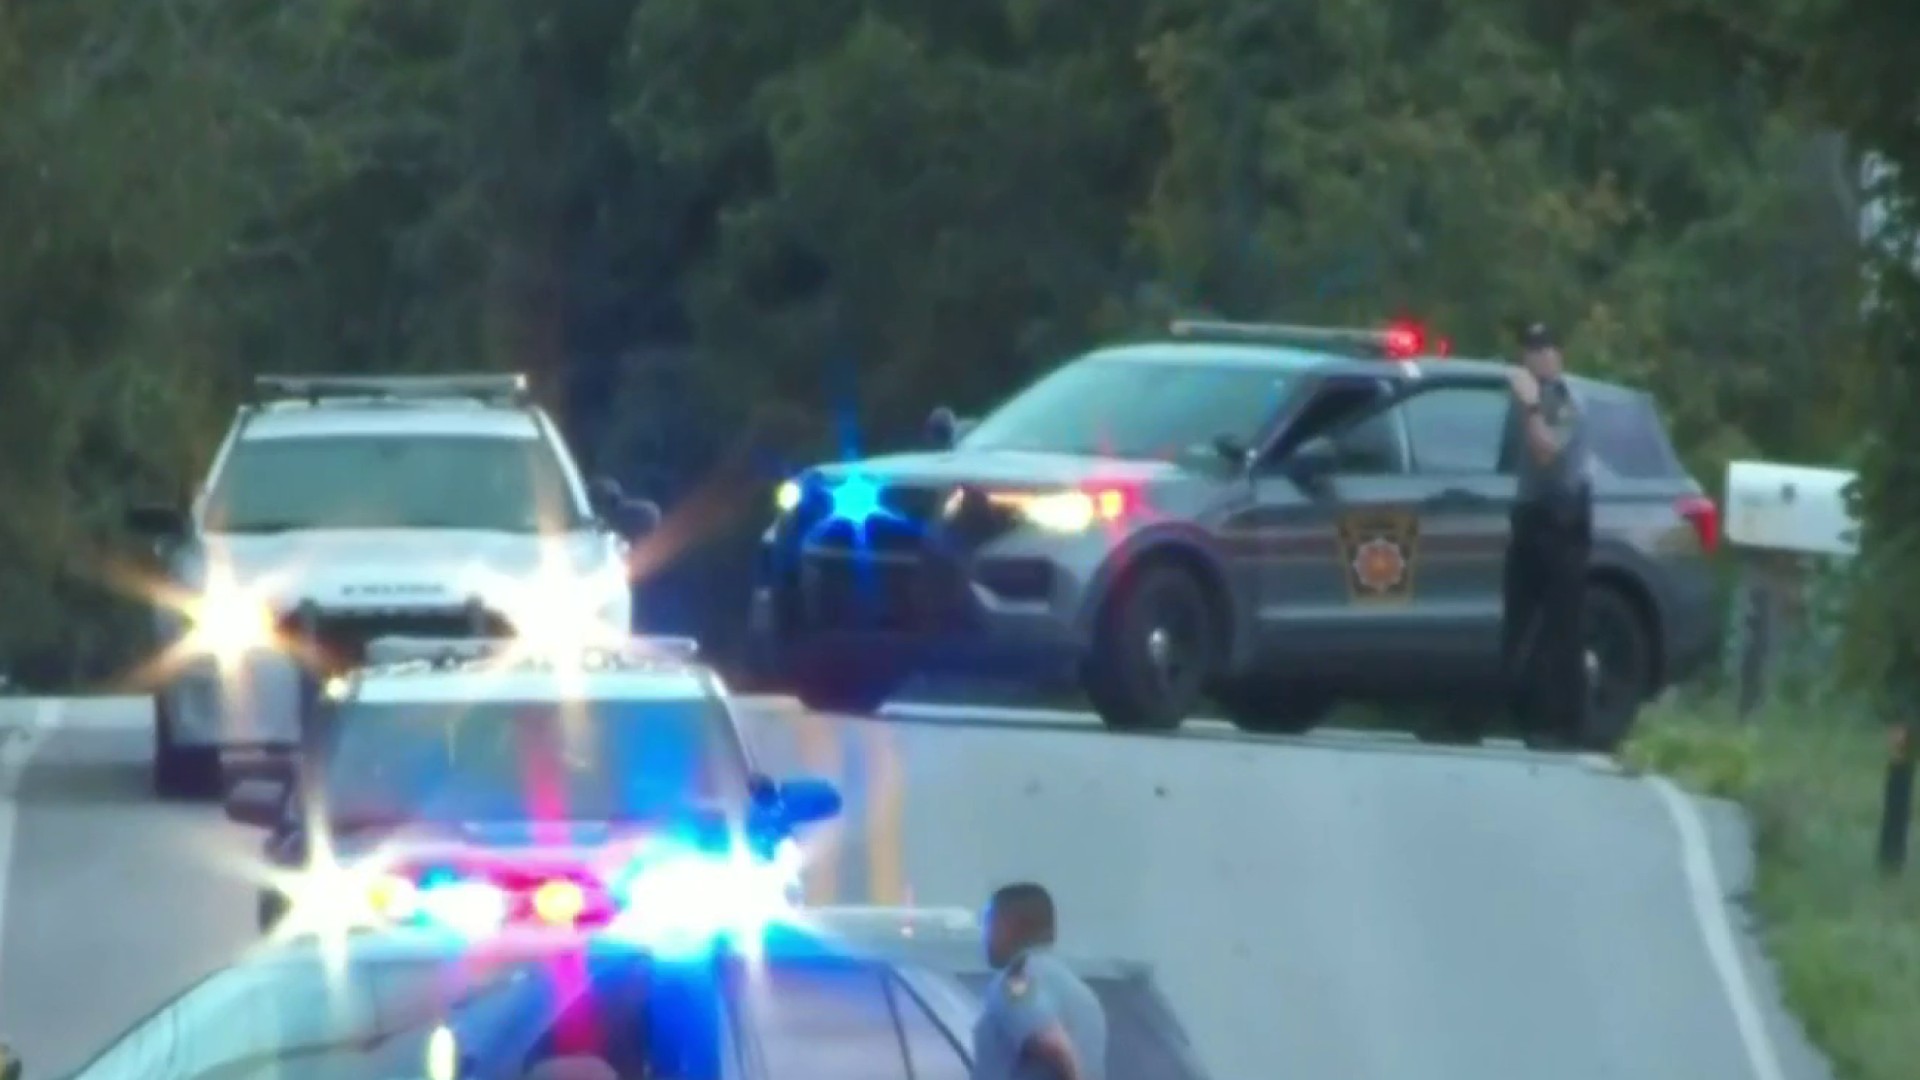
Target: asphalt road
(1339, 907)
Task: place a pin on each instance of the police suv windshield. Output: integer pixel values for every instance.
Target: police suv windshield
(530, 761)
(489, 483)
(303, 1018)
(1153, 407)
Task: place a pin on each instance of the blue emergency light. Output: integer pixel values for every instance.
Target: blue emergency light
(673, 896)
(855, 500)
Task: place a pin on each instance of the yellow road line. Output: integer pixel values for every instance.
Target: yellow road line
(822, 756)
(885, 882)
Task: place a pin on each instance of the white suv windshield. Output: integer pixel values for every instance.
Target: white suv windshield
(391, 482)
(1135, 409)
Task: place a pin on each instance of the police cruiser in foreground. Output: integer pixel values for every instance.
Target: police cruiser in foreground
(1277, 517)
(835, 994)
(339, 509)
(464, 783)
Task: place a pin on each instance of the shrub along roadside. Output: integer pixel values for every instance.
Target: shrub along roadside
(1845, 939)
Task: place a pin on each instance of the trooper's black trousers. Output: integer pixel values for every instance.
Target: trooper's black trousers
(1543, 616)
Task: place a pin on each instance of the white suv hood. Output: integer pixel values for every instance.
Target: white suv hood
(396, 569)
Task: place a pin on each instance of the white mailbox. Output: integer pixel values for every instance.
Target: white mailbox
(1790, 508)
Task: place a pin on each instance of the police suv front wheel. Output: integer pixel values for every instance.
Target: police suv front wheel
(849, 687)
(273, 908)
(181, 771)
(1155, 647)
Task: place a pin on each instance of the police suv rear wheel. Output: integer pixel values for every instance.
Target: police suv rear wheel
(181, 772)
(1153, 652)
(1619, 667)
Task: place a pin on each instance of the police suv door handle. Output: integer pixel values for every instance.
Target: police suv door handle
(1457, 499)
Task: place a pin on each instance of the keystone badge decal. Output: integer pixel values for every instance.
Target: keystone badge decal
(1379, 551)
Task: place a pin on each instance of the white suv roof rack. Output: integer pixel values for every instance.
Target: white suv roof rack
(493, 389)
(444, 652)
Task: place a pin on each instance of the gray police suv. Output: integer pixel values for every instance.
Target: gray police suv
(1278, 518)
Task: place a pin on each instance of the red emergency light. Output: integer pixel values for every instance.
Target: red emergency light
(1404, 339)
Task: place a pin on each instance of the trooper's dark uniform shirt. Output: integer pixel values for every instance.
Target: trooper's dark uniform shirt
(1542, 628)
(1036, 990)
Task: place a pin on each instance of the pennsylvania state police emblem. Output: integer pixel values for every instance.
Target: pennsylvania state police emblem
(1378, 551)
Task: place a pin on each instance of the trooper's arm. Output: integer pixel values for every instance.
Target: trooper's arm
(1051, 1048)
(1548, 438)
(1028, 1015)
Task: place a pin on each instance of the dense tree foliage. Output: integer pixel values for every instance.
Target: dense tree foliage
(852, 211)
(1847, 64)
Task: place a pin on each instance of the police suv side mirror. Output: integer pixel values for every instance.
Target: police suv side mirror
(945, 429)
(806, 801)
(632, 518)
(258, 801)
(156, 522)
(1312, 461)
(638, 519)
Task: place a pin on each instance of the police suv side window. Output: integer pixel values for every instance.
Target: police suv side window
(1457, 430)
(1373, 447)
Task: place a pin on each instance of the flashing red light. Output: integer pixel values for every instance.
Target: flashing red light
(1704, 516)
(1408, 340)
(1403, 341)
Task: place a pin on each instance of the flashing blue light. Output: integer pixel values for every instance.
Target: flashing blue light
(856, 500)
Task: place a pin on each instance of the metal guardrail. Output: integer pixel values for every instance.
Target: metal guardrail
(507, 389)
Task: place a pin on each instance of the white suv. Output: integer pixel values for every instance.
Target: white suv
(342, 509)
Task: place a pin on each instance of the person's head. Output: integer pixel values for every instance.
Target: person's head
(1019, 917)
(1540, 352)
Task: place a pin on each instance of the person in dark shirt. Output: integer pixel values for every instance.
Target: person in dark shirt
(1543, 635)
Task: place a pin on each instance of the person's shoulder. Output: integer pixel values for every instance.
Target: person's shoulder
(1015, 981)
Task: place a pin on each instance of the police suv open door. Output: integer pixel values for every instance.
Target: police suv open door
(1388, 492)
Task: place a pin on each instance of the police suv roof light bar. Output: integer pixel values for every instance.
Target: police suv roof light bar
(505, 389)
(1398, 341)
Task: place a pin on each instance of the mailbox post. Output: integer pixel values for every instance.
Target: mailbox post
(1779, 513)
(1777, 517)
(1896, 814)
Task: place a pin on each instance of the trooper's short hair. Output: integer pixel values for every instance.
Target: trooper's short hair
(1028, 904)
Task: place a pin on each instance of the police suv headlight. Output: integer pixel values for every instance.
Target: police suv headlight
(1070, 511)
(228, 621)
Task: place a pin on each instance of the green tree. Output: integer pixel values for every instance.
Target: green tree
(1846, 63)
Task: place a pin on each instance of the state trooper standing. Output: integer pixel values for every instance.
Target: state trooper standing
(1543, 639)
(1039, 1020)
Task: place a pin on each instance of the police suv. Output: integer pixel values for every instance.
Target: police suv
(1278, 517)
(340, 509)
(475, 784)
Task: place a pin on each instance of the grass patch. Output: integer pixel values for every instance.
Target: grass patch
(1846, 941)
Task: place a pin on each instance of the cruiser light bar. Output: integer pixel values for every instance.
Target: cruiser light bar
(1401, 340)
(641, 649)
(670, 896)
(507, 388)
